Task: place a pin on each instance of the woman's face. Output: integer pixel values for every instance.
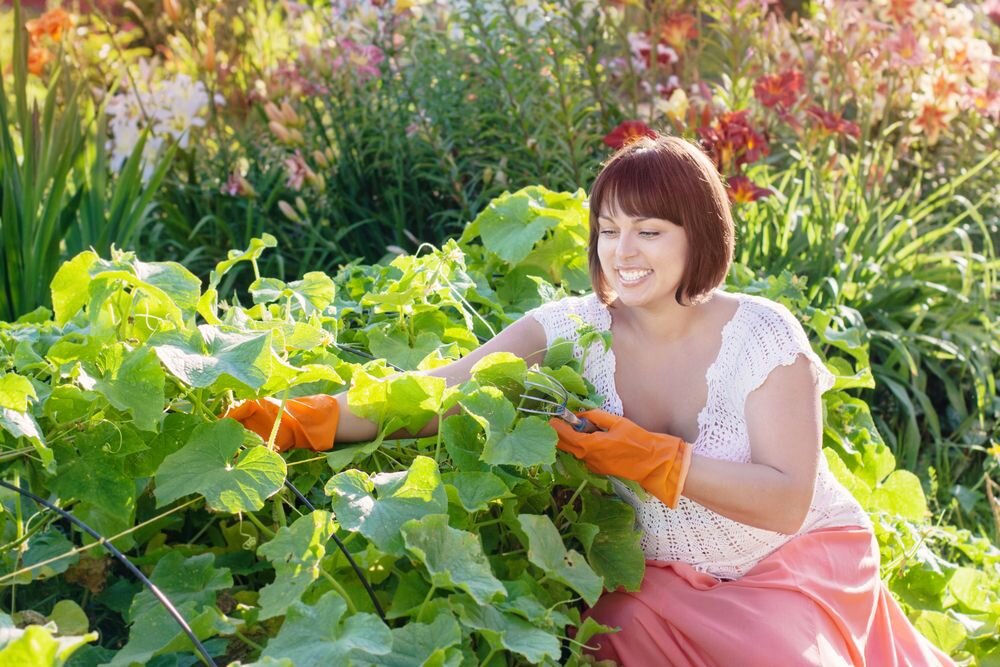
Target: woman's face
(642, 259)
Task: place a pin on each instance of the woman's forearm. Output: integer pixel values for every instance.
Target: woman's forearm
(752, 493)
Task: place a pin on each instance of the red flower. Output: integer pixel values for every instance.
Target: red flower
(732, 141)
(52, 23)
(38, 58)
(833, 123)
(742, 190)
(627, 132)
(781, 90)
(679, 29)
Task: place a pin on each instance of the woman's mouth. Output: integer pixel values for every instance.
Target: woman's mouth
(633, 276)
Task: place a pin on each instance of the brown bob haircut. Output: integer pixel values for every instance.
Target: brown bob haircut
(673, 179)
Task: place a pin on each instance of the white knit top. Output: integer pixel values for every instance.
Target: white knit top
(761, 336)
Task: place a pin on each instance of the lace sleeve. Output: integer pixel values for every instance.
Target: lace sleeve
(562, 319)
(776, 338)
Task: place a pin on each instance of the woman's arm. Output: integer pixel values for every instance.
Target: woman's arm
(785, 424)
(524, 338)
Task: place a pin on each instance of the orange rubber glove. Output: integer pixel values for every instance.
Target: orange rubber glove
(658, 462)
(308, 422)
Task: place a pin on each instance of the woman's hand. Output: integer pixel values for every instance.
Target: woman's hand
(658, 462)
(308, 422)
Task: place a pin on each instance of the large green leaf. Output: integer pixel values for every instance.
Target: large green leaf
(37, 644)
(615, 552)
(320, 635)
(454, 558)
(191, 585)
(547, 551)
(135, 382)
(199, 361)
(70, 286)
(511, 632)
(417, 644)
(395, 347)
(474, 490)
(531, 443)
(528, 442)
(15, 390)
(379, 505)
(295, 552)
(208, 465)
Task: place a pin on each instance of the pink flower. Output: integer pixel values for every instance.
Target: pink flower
(627, 132)
(905, 48)
(992, 9)
(298, 171)
(363, 60)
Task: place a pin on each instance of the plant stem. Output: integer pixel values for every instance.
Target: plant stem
(340, 589)
(427, 598)
(260, 526)
(252, 644)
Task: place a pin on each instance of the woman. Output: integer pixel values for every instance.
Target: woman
(755, 554)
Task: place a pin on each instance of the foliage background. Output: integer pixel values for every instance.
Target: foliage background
(858, 140)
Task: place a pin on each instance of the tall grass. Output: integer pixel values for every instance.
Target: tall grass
(919, 263)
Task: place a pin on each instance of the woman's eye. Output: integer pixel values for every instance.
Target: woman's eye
(608, 232)
(649, 235)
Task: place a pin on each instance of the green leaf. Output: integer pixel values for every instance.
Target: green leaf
(944, 631)
(395, 347)
(15, 390)
(407, 401)
(207, 465)
(320, 635)
(475, 490)
(901, 495)
(202, 360)
(454, 558)
(135, 382)
(70, 618)
(402, 496)
(37, 644)
(295, 553)
(511, 632)
(464, 440)
(971, 587)
(547, 551)
(502, 370)
(23, 425)
(70, 286)
(416, 644)
(531, 443)
(47, 544)
(589, 628)
(191, 585)
(256, 249)
(615, 552)
(106, 494)
(182, 286)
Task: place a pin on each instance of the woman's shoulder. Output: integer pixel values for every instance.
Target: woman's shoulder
(586, 306)
(772, 336)
(563, 317)
(767, 321)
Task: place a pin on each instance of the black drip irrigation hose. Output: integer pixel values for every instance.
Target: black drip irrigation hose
(347, 554)
(206, 658)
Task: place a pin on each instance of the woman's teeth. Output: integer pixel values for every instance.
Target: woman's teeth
(633, 276)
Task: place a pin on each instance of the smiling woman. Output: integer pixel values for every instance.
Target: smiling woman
(712, 404)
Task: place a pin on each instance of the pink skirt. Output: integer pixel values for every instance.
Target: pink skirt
(817, 600)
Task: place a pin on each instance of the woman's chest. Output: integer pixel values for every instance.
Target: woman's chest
(666, 390)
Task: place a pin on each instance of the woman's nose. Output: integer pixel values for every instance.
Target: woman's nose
(625, 246)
